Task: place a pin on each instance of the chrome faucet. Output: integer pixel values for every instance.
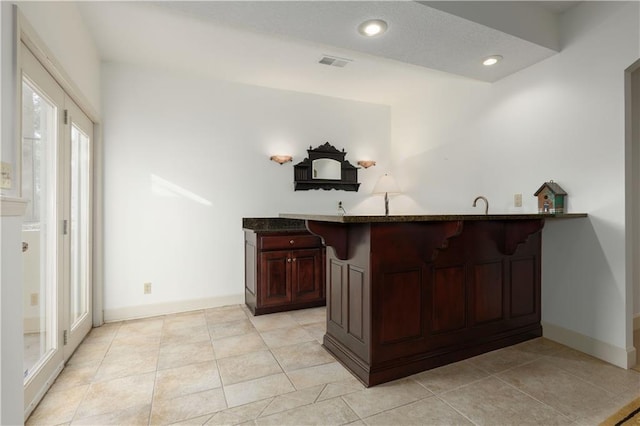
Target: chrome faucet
(486, 202)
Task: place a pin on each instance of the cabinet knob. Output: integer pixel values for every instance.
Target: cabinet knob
(291, 242)
(289, 259)
(294, 259)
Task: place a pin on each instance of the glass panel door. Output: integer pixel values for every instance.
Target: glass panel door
(39, 228)
(78, 293)
(42, 128)
(56, 177)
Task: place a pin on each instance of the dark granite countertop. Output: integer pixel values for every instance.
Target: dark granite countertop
(427, 218)
(273, 224)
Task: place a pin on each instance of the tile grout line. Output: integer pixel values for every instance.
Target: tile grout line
(75, 412)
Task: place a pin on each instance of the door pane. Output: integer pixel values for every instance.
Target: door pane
(80, 204)
(39, 130)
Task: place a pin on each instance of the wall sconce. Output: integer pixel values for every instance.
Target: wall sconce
(366, 163)
(281, 159)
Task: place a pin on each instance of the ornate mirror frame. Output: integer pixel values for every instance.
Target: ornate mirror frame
(303, 172)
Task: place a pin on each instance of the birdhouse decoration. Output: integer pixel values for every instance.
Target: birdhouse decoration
(551, 198)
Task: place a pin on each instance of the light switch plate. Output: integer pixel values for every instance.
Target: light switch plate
(517, 200)
(6, 172)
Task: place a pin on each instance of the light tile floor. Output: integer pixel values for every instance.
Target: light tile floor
(224, 366)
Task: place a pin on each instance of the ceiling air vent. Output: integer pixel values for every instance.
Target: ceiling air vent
(334, 61)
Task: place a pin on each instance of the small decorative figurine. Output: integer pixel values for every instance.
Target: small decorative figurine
(551, 198)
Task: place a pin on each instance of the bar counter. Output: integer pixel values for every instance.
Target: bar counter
(413, 292)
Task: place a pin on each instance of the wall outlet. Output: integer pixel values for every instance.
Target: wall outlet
(517, 200)
(35, 299)
(147, 288)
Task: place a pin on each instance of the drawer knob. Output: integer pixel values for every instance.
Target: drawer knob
(289, 260)
(291, 242)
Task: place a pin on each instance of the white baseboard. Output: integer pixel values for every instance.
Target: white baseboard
(624, 358)
(145, 311)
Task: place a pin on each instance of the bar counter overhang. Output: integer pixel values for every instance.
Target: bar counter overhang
(410, 293)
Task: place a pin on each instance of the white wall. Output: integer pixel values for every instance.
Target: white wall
(187, 157)
(561, 119)
(60, 26)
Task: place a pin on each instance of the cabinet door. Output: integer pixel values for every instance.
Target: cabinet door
(275, 281)
(306, 281)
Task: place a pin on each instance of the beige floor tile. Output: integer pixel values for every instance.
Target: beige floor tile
(292, 400)
(443, 379)
(238, 345)
(143, 344)
(137, 338)
(184, 354)
(196, 421)
(179, 381)
(614, 379)
(74, 375)
(232, 328)
(503, 359)
(137, 415)
(257, 389)
(286, 336)
(116, 395)
(541, 345)
(224, 314)
(142, 326)
(568, 394)
(273, 321)
(58, 407)
(330, 412)
(491, 401)
(181, 335)
(127, 364)
(87, 355)
(302, 355)
(104, 332)
(386, 396)
(239, 415)
(428, 411)
(535, 381)
(333, 390)
(235, 369)
(184, 320)
(187, 407)
(310, 316)
(318, 375)
(316, 330)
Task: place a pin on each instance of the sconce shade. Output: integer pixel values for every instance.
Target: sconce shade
(386, 185)
(281, 159)
(366, 163)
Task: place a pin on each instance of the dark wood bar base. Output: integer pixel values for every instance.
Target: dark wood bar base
(403, 297)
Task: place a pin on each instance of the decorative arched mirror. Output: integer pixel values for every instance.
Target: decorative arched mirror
(325, 168)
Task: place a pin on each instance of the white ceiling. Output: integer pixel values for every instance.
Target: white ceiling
(278, 44)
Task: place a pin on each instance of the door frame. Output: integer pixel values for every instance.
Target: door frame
(25, 33)
(37, 46)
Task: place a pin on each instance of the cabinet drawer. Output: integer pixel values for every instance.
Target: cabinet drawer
(279, 242)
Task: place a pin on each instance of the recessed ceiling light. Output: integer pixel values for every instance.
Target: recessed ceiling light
(491, 60)
(372, 27)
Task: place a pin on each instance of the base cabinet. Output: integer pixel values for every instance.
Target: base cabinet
(283, 271)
